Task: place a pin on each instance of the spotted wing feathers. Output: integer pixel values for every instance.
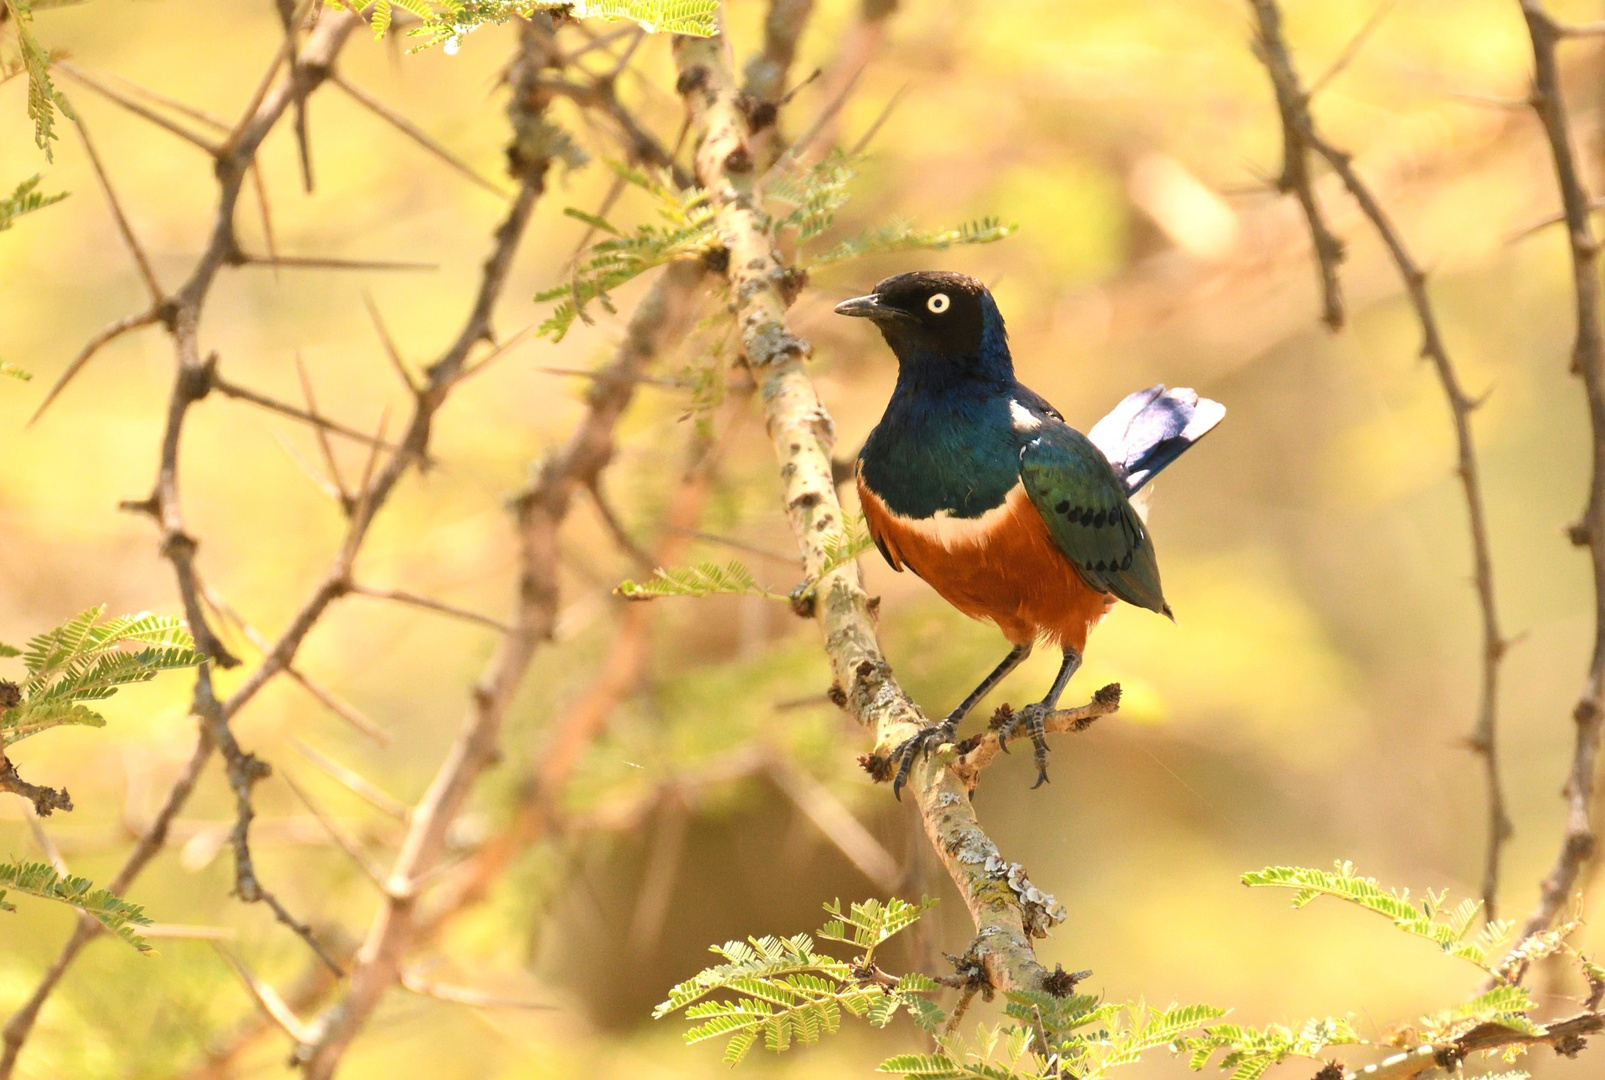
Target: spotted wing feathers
(1083, 501)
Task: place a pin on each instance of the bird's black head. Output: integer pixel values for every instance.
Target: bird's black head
(935, 315)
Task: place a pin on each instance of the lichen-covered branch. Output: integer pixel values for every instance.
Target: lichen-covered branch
(1007, 909)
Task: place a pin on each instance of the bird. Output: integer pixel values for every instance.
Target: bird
(978, 485)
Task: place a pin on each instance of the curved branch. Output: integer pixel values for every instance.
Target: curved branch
(1588, 361)
(761, 289)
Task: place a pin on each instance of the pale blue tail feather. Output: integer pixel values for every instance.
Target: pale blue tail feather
(1151, 428)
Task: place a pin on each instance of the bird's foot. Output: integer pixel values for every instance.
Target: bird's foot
(1032, 719)
(917, 746)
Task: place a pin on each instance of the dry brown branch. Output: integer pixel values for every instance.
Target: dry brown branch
(91, 347)
(319, 262)
(141, 260)
(415, 133)
(1588, 361)
(1564, 1036)
(267, 999)
(43, 799)
(391, 352)
(540, 512)
(463, 995)
(312, 418)
(1294, 106)
(402, 597)
(136, 108)
(342, 839)
(642, 558)
(801, 431)
(354, 782)
(1303, 138)
(191, 381)
(838, 825)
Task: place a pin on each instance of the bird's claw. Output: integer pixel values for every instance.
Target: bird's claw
(1033, 719)
(915, 746)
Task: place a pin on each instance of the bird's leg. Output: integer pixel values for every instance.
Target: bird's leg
(938, 733)
(1034, 716)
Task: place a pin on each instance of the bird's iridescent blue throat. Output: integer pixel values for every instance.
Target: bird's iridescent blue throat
(948, 442)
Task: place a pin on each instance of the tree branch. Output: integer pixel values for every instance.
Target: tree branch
(1302, 138)
(802, 433)
(1588, 361)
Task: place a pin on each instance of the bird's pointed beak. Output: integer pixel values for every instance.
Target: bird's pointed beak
(867, 307)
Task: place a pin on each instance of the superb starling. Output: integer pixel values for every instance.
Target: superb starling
(977, 484)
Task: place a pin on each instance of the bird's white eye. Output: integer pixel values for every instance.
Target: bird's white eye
(938, 303)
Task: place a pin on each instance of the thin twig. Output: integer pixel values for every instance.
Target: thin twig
(321, 432)
(136, 108)
(85, 354)
(1352, 49)
(141, 260)
(838, 825)
(319, 262)
(1588, 361)
(353, 781)
(342, 839)
(391, 352)
(402, 597)
(415, 133)
(1293, 104)
(322, 423)
(1303, 138)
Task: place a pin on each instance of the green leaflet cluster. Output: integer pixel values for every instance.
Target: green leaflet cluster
(25, 200)
(782, 991)
(85, 659)
(686, 230)
(43, 98)
(735, 579)
(446, 21)
(802, 203)
(1074, 1036)
(1449, 929)
(110, 910)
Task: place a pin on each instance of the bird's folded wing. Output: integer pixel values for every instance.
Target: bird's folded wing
(1082, 500)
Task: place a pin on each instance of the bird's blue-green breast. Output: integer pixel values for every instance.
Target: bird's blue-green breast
(957, 455)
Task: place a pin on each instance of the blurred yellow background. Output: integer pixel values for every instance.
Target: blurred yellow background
(1312, 703)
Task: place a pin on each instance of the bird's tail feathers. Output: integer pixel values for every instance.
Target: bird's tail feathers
(1151, 428)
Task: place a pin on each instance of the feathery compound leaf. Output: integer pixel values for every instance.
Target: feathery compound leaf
(922, 1067)
(43, 98)
(25, 200)
(868, 923)
(688, 232)
(900, 235)
(110, 910)
(780, 989)
(87, 660)
(1250, 1053)
(703, 579)
(448, 20)
(1424, 918)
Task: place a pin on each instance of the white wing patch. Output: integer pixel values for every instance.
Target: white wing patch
(1024, 419)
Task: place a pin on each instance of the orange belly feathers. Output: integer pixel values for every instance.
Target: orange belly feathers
(1001, 567)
